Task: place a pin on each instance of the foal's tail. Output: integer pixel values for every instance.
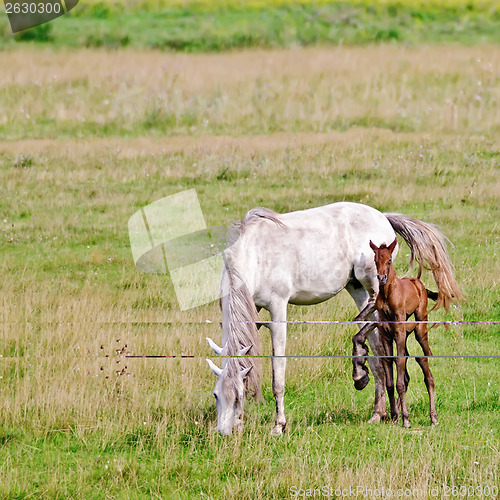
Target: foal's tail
(239, 327)
(427, 247)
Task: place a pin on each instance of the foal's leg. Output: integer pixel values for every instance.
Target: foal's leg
(278, 310)
(422, 339)
(400, 336)
(360, 350)
(410, 327)
(370, 307)
(389, 375)
(407, 375)
(361, 296)
(377, 367)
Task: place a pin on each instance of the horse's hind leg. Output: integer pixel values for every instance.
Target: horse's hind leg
(422, 339)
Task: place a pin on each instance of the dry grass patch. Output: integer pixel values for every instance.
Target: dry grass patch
(438, 89)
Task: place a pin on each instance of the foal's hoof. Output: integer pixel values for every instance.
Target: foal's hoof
(361, 383)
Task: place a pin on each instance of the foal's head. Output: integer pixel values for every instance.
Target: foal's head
(383, 259)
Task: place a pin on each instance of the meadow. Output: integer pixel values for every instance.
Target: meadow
(87, 137)
(220, 25)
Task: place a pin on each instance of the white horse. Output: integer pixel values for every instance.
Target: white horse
(306, 257)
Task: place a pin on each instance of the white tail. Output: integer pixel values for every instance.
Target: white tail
(428, 248)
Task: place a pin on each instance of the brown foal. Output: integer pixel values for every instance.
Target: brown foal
(397, 300)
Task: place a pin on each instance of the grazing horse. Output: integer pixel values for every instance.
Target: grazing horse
(305, 257)
(397, 300)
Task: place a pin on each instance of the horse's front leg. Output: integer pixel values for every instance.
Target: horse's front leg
(278, 337)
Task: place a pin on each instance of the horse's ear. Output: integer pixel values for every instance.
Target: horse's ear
(373, 246)
(214, 346)
(217, 371)
(243, 351)
(244, 372)
(392, 246)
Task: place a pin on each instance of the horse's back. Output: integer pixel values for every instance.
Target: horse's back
(308, 255)
(349, 226)
(343, 224)
(347, 219)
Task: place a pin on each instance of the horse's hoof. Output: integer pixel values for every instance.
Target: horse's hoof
(434, 421)
(375, 419)
(361, 383)
(406, 424)
(278, 430)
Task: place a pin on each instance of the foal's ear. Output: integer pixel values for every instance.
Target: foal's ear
(373, 246)
(392, 246)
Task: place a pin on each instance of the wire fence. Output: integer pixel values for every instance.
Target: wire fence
(289, 322)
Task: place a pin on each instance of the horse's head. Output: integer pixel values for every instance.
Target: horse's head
(383, 259)
(229, 391)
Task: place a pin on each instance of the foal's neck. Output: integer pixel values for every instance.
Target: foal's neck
(391, 279)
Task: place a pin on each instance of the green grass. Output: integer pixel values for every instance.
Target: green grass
(71, 298)
(218, 26)
(69, 432)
